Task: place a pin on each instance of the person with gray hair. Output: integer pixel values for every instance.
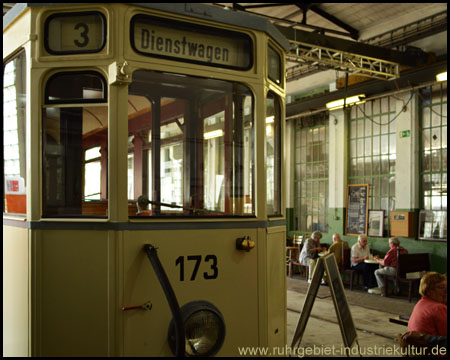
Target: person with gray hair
(360, 253)
(389, 264)
(310, 251)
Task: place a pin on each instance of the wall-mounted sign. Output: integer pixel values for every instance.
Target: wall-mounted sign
(74, 33)
(405, 133)
(357, 209)
(187, 42)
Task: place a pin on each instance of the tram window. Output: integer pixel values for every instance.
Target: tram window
(273, 155)
(75, 87)
(75, 143)
(274, 71)
(192, 147)
(75, 33)
(14, 130)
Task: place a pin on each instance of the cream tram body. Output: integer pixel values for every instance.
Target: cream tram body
(114, 105)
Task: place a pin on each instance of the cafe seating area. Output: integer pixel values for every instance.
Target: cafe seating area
(411, 268)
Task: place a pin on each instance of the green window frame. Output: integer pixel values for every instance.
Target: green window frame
(372, 152)
(433, 146)
(311, 173)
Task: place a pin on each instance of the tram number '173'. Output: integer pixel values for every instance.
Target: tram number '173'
(211, 260)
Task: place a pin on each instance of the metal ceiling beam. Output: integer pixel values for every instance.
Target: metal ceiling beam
(277, 20)
(410, 78)
(354, 33)
(414, 31)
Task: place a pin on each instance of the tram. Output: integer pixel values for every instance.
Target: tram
(143, 210)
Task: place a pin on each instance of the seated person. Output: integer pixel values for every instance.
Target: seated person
(429, 316)
(361, 252)
(419, 339)
(390, 265)
(309, 253)
(337, 248)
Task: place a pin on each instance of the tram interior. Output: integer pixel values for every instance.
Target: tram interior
(190, 146)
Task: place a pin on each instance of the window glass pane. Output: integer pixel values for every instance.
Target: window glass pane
(193, 146)
(274, 66)
(92, 180)
(273, 154)
(66, 132)
(84, 87)
(376, 145)
(14, 135)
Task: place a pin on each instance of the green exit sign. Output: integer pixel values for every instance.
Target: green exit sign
(405, 133)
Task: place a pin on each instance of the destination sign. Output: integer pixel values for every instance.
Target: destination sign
(191, 43)
(71, 33)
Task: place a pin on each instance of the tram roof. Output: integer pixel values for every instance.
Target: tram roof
(196, 10)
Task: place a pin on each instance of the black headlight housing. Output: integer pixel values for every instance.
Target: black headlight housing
(204, 329)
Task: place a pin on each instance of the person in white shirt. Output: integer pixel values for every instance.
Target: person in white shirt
(360, 253)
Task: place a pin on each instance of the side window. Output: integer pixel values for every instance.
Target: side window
(273, 154)
(14, 129)
(74, 146)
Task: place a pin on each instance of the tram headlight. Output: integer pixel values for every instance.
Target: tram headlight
(204, 329)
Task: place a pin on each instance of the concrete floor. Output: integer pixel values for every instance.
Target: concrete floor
(370, 313)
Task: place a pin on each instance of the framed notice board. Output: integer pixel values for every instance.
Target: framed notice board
(357, 209)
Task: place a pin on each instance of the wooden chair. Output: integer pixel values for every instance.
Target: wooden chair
(346, 267)
(407, 263)
(294, 253)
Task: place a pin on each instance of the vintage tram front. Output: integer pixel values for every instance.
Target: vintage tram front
(135, 133)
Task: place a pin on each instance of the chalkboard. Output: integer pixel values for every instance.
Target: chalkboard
(345, 319)
(309, 301)
(328, 265)
(357, 209)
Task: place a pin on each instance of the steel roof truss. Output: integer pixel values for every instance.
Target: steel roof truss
(344, 61)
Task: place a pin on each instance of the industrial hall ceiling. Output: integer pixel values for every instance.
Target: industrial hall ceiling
(375, 41)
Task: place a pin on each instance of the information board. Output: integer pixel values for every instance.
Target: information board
(345, 319)
(328, 265)
(309, 301)
(357, 209)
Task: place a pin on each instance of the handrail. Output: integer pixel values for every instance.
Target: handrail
(171, 299)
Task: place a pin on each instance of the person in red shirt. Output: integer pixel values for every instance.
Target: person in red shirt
(389, 264)
(429, 316)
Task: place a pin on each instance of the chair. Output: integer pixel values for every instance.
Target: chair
(407, 263)
(294, 253)
(346, 266)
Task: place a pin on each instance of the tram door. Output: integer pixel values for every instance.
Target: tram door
(190, 153)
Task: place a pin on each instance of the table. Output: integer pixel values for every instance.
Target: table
(369, 261)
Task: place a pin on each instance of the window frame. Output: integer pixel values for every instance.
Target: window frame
(380, 180)
(302, 183)
(75, 104)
